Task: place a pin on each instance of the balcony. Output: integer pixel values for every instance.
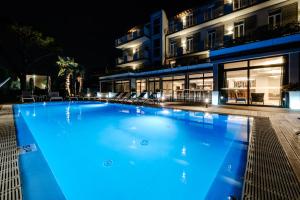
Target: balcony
(134, 60)
(263, 33)
(227, 11)
(134, 38)
(194, 17)
(198, 48)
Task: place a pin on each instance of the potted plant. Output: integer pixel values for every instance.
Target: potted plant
(292, 95)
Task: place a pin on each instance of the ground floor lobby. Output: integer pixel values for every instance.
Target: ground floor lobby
(256, 81)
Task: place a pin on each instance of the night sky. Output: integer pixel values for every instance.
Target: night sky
(87, 30)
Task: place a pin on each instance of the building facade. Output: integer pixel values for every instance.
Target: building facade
(240, 52)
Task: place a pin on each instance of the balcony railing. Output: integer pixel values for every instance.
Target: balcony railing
(204, 15)
(179, 51)
(131, 58)
(178, 25)
(259, 34)
(132, 36)
(263, 33)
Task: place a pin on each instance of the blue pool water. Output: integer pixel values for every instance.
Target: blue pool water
(93, 150)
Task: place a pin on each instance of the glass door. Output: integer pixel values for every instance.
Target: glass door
(236, 87)
(266, 86)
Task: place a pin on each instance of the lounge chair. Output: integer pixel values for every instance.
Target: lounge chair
(132, 95)
(73, 98)
(126, 96)
(27, 95)
(91, 96)
(117, 95)
(54, 96)
(139, 98)
(152, 99)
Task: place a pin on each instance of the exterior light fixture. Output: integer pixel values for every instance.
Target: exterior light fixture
(206, 102)
(229, 30)
(88, 95)
(183, 43)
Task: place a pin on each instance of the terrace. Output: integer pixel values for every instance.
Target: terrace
(262, 33)
(135, 37)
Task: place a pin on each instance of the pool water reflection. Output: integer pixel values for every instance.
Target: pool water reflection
(113, 151)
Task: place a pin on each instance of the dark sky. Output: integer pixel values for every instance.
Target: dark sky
(86, 30)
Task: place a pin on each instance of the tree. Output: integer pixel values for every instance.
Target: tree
(24, 48)
(73, 73)
(79, 74)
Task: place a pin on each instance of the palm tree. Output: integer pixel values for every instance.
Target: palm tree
(78, 72)
(67, 67)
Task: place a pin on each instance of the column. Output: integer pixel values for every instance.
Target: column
(215, 92)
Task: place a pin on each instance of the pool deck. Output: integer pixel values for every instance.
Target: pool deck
(275, 124)
(10, 184)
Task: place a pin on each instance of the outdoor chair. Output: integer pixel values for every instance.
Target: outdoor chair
(73, 98)
(237, 98)
(117, 95)
(92, 96)
(125, 96)
(133, 95)
(54, 96)
(139, 98)
(27, 95)
(152, 99)
(258, 98)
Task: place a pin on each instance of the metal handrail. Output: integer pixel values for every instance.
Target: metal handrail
(4, 82)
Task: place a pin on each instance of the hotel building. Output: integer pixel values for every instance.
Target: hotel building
(238, 52)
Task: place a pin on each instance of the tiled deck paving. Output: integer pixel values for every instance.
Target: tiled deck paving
(10, 185)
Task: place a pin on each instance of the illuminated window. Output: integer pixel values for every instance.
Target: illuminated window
(267, 61)
(237, 4)
(189, 44)
(236, 65)
(172, 49)
(275, 19)
(239, 29)
(189, 20)
(37, 82)
(122, 86)
(141, 86)
(258, 83)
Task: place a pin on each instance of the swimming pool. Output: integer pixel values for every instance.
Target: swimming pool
(97, 150)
